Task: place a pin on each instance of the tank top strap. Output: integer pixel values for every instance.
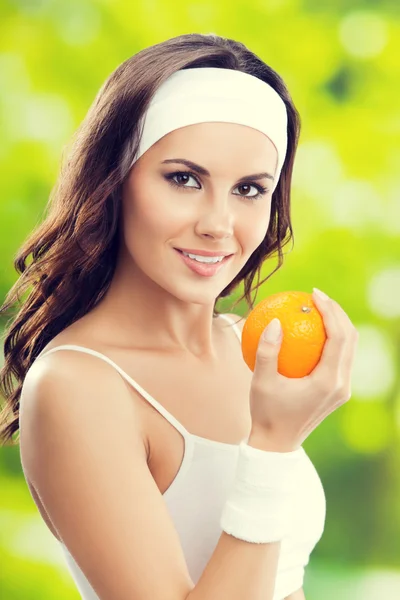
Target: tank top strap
(235, 327)
(159, 407)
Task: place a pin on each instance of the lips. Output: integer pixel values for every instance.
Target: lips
(204, 269)
(185, 254)
(204, 252)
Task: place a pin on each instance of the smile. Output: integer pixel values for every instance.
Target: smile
(205, 269)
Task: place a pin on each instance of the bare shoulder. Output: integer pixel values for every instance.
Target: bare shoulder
(71, 367)
(70, 387)
(82, 448)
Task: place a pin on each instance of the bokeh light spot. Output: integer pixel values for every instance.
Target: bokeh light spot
(383, 293)
(45, 117)
(317, 168)
(363, 33)
(373, 371)
(355, 203)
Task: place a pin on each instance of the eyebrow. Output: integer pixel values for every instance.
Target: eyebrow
(202, 171)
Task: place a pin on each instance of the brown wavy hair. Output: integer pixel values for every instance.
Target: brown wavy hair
(74, 249)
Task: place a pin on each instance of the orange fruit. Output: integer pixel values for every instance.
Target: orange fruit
(303, 330)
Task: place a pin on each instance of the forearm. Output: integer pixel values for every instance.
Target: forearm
(238, 570)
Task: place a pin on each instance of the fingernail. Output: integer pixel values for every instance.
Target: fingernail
(321, 294)
(273, 331)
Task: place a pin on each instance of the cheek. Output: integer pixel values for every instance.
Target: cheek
(255, 228)
(159, 219)
(150, 212)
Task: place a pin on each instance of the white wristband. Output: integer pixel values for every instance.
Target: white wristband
(256, 509)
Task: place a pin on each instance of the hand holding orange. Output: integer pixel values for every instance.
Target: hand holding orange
(303, 331)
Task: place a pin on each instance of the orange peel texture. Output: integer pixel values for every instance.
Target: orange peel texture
(303, 328)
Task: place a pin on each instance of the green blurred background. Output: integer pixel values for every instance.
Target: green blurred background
(340, 61)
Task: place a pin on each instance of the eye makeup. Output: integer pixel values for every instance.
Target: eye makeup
(261, 189)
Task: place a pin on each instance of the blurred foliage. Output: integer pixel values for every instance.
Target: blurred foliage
(341, 63)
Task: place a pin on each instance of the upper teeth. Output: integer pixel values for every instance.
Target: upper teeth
(208, 259)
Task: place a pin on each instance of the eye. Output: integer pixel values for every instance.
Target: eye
(186, 174)
(261, 190)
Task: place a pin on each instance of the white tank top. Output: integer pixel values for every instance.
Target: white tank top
(196, 497)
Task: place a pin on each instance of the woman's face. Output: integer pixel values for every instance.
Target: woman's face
(220, 212)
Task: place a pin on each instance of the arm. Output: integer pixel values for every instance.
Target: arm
(82, 447)
(299, 595)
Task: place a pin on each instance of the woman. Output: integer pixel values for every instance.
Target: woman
(162, 465)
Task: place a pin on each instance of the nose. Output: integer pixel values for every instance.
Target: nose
(217, 221)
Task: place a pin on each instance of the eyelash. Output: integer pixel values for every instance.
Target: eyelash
(261, 189)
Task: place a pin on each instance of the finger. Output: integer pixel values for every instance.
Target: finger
(348, 359)
(329, 364)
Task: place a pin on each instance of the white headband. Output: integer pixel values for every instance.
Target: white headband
(212, 94)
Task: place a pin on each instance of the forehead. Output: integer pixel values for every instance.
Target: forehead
(216, 142)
